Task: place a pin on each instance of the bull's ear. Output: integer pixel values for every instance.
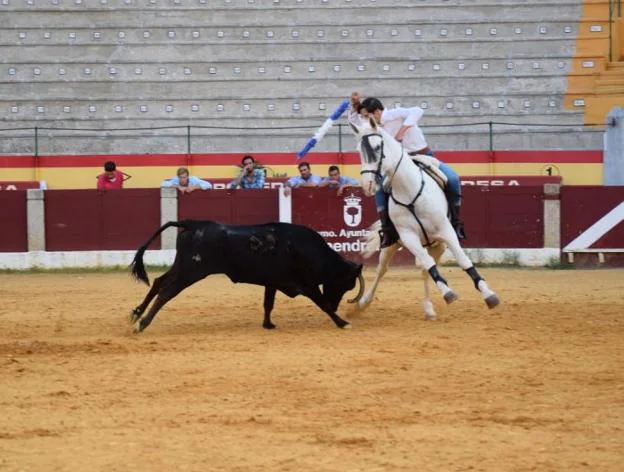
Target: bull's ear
(372, 122)
(354, 128)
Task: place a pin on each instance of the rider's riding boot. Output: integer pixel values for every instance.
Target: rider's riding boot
(456, 221)
(388, 232)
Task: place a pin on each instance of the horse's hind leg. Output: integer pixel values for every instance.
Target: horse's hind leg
(491, 300)
(385, 257)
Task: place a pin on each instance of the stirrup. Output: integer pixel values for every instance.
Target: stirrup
(459, 230)
(388, 237)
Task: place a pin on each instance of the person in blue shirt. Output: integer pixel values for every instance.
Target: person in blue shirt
(335, 180)
(305, 179)
(186, 183)
(249, 177)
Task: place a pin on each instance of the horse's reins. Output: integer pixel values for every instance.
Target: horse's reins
(377, 172)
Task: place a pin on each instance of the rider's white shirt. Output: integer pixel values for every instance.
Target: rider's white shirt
(392, 120)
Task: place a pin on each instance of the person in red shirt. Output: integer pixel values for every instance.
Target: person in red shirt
(111, 179)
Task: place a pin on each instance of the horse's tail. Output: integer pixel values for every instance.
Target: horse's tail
(373, 241)
(138, 269)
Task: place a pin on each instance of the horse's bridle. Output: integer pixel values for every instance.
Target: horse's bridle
(369, 150)
(377, 172)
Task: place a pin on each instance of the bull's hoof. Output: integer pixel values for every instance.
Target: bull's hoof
(268, 326)
(450, 297)
(137, 329)
(346, 326)
(134, 316)
(492, 301)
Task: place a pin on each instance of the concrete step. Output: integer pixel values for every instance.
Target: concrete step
(165, 15)
(28, 71)
(146, 34)
(440, 109)
(378, 50)
(272, 89)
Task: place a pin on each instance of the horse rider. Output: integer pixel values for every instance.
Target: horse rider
(402, 123)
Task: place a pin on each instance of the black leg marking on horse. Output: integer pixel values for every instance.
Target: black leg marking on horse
(474, 275)
(317, 297)
(269, 300)
(435, 275)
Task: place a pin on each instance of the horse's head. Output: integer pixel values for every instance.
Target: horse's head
(371, 149)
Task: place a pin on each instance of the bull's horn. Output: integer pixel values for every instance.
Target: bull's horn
(361, 292)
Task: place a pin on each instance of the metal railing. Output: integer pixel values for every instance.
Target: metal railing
(185, 138)
(615, 11)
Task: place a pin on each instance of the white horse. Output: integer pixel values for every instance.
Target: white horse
(418, 209)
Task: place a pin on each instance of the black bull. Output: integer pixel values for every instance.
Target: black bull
(290, 258)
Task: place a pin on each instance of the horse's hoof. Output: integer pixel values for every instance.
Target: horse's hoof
(431, 317)
(450, 297)
(492, 301)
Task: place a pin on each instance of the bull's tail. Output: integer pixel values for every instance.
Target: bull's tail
(138, 269)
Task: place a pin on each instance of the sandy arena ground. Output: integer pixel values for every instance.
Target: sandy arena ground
(536, 385)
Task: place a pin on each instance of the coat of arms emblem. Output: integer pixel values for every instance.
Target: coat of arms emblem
(352, 211)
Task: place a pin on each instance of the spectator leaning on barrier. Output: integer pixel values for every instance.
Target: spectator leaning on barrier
(111, 178)
(250, 176)
(186, 183)
(335, 180)
(304, 179)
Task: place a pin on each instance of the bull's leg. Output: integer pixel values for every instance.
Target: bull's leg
(154, 289)
(450, 237)
(269, 300)
(174, 285)
(317, 297)
(382, 267)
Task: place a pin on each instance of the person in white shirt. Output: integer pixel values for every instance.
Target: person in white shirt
(402, 123)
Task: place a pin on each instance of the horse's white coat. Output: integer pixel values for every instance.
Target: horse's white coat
(431, 207)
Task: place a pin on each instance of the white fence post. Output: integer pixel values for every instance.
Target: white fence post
(613, 165)
(285, 206)
(35, 217)
(552, 215)
(168, 212)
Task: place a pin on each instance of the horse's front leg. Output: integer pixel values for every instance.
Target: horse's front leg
(435, 252)
(450, 238)
(385, 257)
(411, 241)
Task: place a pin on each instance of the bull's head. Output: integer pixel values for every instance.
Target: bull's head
(344, 282)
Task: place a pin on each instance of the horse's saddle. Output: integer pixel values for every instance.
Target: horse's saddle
(431, 166)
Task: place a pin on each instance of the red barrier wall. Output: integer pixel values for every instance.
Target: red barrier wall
(89, 220)
(231, 206)
(503, 217)
(13, 232)
(495, 217)
(582, 206)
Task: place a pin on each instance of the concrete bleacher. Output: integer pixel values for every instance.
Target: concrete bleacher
(278, 63)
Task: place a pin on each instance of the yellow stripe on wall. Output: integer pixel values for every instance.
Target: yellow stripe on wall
(147, 177)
